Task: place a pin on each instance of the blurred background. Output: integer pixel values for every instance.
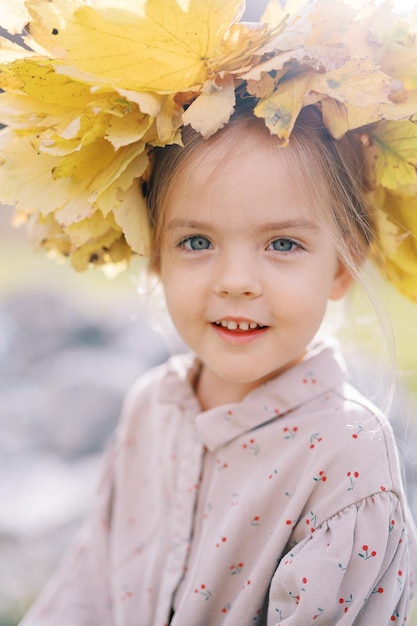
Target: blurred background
(70, 346)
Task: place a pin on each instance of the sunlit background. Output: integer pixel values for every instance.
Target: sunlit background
(70, 346)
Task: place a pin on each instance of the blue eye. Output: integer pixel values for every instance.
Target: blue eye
(198, 242)
(283, 245)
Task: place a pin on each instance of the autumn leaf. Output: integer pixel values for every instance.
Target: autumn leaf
(356, 82)
(395, 158)
(151, 49)
(212, 109)
(281, 109)
(340, 118)
(395, 250)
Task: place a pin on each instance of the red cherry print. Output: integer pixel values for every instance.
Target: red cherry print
(367, 555)
(321, 477)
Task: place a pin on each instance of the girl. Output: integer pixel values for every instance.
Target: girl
(248, 482)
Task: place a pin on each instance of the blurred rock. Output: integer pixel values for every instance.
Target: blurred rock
(63, 374)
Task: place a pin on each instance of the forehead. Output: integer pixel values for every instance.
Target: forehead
(247, 170)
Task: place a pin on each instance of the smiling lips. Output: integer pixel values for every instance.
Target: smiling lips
(243, 325)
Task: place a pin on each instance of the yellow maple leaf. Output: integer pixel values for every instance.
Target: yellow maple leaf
(339, 118)
(356, 82)
(212, 110)
(123, 131)
(124, 198)
(281, 109)
(25, 177)
(395, 158)
(90, 229)
(37, 78)
(152, 48)
(132, 216)
(396, 224)
(104, 249)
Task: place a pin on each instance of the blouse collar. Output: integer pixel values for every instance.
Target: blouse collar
(321, 370)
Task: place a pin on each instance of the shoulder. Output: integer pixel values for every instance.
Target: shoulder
(360, 432)
(158, 390)
(354, 455)
(161, 381)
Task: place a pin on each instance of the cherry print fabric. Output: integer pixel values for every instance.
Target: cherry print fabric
(284, 509)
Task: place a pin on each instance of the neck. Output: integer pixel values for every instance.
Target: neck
(212, 391)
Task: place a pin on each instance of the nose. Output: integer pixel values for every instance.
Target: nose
(238, 276)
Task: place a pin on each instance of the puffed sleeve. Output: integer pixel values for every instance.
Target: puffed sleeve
(79, 592)
(354, 569)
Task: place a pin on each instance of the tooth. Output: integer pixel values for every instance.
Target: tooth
(253, 325)
(224, 323)
(231, 325)
(243, 325)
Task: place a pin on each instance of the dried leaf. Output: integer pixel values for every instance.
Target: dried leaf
(395, 163)
(211, 111)
(151, 49)
(396, 253)
(281, 109)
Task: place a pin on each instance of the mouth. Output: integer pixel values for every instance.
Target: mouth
(242, 325)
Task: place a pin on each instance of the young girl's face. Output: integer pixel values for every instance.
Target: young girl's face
(246, 266)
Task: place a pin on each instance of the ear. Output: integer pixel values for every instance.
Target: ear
(341, 282)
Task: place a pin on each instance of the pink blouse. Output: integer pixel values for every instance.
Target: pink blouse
(286, 508)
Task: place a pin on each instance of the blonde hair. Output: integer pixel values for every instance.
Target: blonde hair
(331, 171)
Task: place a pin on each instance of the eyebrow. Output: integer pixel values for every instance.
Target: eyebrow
(297, 223)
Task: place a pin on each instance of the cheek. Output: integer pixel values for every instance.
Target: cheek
(178, 295)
